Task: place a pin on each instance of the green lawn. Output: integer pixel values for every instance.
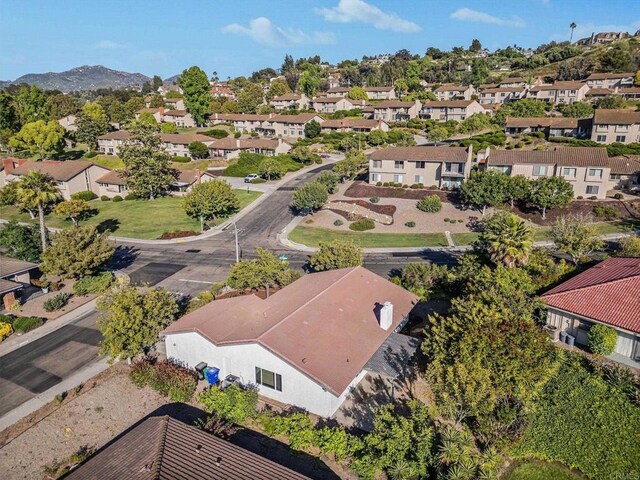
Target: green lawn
(464, 238)
(533, 470)
(134, 218)
(107, 161)
(312, 236)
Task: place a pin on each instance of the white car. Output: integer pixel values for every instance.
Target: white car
(249, 178)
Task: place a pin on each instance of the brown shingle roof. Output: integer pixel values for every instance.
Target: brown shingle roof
(234, 144)
(378, 89)
(625, 164)
(176, 113)
(513, 80)
(324, 324)
(328, 99)
(503, 89)
(117, 135)
(233, 117)
(8, 286)
(351, 123)
(11, 266)
(559, 86)
(451, 88)
(148, 110)
(299, 118)
(59, 171)
(184, 138)
(338, 90)
(599, 92)
(448, 103)
(393, 104)
(557, 122)
(423, 154)
(162, 448)
(604, 76)
(616, 117)
(112, 178)
(572, 156)
(287, 97)
(608, 292)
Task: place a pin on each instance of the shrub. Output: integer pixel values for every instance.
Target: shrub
(416, 186)
(90, 154)
(618, 196)
(7, 319)
(234, 403)
(131, 196)
(104, 198)
(605, 211)
(378, 184)
(180, 159)
(374, 199)
(298, 427)
(5, 330)
(410, 224)
(117, 198)
(141, 373)
(579, 197)
(167, 378)
(237, 135)
(216, 133)
(338, 223)
(258, 180)
(85, 195)
(57, 302)
(447, 219)
(593, 197)
(602, 339)
(26, 324)
(362, 225)
(430, 204)
(97, 283)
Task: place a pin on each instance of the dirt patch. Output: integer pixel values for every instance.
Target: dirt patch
(180, 234)
(360, 189)
(374, 207)
(626, 210)
(379, 213)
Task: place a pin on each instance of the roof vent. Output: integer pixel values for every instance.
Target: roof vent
(386, 315)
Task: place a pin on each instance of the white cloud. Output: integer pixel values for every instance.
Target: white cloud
(349, 11)
(468, 15)
(586, 29)
(263, 31)
(107, 44)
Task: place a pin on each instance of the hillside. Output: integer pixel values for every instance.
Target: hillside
(82, 78)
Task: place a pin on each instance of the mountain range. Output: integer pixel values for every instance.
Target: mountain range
(86, 77)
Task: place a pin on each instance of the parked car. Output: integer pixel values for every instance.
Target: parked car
(325, 155)
(249, 178)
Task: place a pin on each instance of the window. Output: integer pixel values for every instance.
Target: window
(539, 170)
(376, 164)
(418, 179)
(615, 176)
(601, 138)
(592, 189)
(595, 172)
(621, 138)
(268, 379)
(398, 178)
(450, 167)
(398, 164)
(376, 177)
(569, 172)
(421, 164)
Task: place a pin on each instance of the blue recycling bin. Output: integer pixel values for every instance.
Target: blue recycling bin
(563, 336)
(212, 374)
(571, 340)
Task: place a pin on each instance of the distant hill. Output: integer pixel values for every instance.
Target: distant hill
(82, 78)
(171, 80)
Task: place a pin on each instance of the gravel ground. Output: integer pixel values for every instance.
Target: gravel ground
(91, 419)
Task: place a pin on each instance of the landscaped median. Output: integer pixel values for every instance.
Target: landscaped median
(312, 236)
(143, 219)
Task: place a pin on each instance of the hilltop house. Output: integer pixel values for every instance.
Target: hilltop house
(113, 184)
(306, 345)
(110, 143)
(338, 92)
(587, 168)
(177, 144)
(242, 122)
(445, 110)
(181, 118)
(606, 294)
(14, 276)
(69, 123)
(437, 166)
(610, 126)
(625, 172)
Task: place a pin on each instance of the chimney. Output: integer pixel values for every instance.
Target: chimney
(271, 115)
(237, 143)
(161, 110)
(197, 175)
(386, 315)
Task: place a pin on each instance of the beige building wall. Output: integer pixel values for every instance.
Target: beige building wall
(606, 134)
(411, 172)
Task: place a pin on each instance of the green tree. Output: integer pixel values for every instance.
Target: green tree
(484, 188)
(329, 179)
(168, 128)
(20, 241)
(131, 320)
(400, 138)
(506, 239)
(611, 102)
(630, 246)
(310, 197)
(309, 82)
(400, 87)
(74, 210)
(91, 123)
(576, 109)
(148, 170)
(377, 138)
(350, 166)
(156, 101)
(357, 93)
(9, 122)
(38, 190)
(437, 133)
(271, 168)
(31, 104)
(474, 123)
(422, 278)
(39, 138)
(602, 339)
(211, 199)
(277, 88)
(617, 59)
(250, 98)
(479, 71)
(475, 46)
(336, 254)
(527, 107)
(303, 155)
(265, 271)
(550, 192)
(195, 88)
(77, 252)
(61, 105)
(312, 129)
(148, 119)
(516, 188)
(198, 150)
(575, 236)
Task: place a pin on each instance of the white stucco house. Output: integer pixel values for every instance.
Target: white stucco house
(306, 345)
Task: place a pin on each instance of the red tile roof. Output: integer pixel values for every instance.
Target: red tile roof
(570, 156)
(608, 293)
(324, 324)
(59, 171)
(422, 153)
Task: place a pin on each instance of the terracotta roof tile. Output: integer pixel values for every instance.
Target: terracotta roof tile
(11, 266)
(287, 97)
(448, 103)
(59, 171)
(117, 135)
(427, 154)
(616, 117)
(625, 164)
(571, 156)
(557, 122)
(604, 76)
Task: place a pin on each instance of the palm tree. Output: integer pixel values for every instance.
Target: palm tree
(507, 240)
(572, 27)
(38, 189)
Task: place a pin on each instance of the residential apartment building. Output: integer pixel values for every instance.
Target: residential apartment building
(175, 103)
(431, 166)
(511, 82)
(625, 172)
(290, 101)
(360, 125)
(551, 126)
(229, 148)
(110, 143)
(69, 123)
(156, 112)
(501, 95)
(559, 92)
(113, 184)
(242, 122)
(181, 118)
(177, 144)
(630, 93)
(454, 92)
(602, 38)
(396, 110)
(622, 126)
(586, 168)
(331, 104)
(338, 92)
(612, 81)
(287, 125)
(380, 93)
(445, 110)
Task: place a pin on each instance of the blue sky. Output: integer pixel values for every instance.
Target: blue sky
(236, 38)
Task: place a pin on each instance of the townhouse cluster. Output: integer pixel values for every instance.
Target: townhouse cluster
(589, 170)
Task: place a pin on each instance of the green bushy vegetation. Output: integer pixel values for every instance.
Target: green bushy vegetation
(96, 283)
(56, 302)
(430, 204)
(602, 339)
(168, 379)
(362, 225)
(251, 163)
(85, 195)
(25, 324)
